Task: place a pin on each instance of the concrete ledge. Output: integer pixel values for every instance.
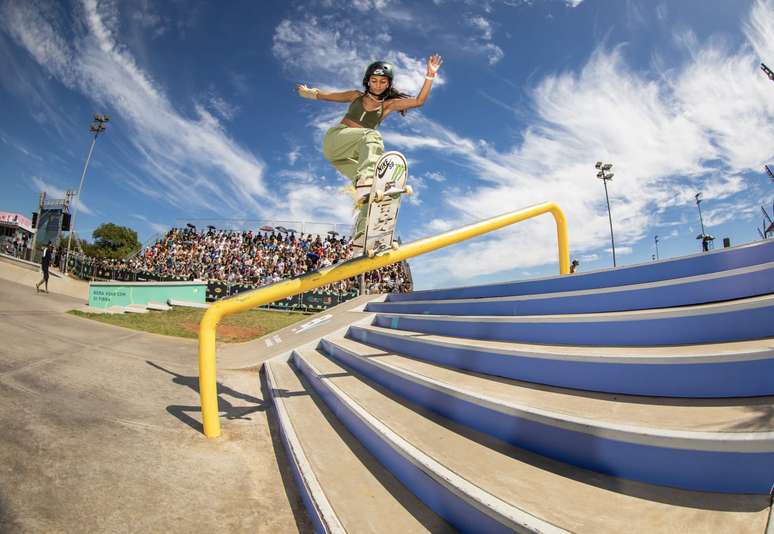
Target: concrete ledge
(135, 308)
(104, 311)
(317, 506)
(158, 306)
(187, 304)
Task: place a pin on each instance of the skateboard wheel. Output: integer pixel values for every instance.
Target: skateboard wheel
(409, 190)
(378, 196)
(395, 245)
(371, 253)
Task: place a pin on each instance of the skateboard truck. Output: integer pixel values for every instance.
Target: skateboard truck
(382, 248)
(393, 192)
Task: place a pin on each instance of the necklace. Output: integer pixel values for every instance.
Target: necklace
(372, 97)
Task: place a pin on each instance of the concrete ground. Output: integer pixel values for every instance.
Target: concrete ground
(101, 430)
(27, 273)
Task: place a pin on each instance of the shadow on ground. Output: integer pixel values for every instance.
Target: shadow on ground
(225, 408)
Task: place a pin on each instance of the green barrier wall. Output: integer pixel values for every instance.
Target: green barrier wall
(106, 294)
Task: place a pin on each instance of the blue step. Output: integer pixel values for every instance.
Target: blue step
(698, 264)
(706, 371)
(729, 285)
(729, 462)
(710, 323)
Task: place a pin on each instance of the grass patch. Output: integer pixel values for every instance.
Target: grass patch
(184, 322)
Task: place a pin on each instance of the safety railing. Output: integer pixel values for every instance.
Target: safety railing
(207, 373)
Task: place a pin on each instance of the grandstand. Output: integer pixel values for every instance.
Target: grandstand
(232, 261)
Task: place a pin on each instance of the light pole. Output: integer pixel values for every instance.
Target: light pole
(96, 127)
(705, 239)
(698, 198)
(604, 174)
(656, 240)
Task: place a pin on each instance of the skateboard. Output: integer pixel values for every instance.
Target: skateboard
(380, 209)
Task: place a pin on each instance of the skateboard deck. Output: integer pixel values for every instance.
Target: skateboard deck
(390, 176)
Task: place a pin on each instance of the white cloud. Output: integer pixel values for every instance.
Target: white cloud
(482, 24)
(54, 192)
(191, 154)
(696, 128)
(293, 155)
(435, 176)
(313, 202)
(156, 228)
(336, 56)
(484, 41)
(222, 108)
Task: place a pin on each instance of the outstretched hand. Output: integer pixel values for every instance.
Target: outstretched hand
(306, 92)
(434, 63)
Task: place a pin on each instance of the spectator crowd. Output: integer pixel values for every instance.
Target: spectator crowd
(249, 259)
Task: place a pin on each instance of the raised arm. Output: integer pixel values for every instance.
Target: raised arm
(434, 63)
(315, 94)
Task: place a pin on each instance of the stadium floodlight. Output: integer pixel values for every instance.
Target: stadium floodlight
(96, 127)
(606, 176)
(656, 240)
(705, 239)
(768, 171)
(767, 71)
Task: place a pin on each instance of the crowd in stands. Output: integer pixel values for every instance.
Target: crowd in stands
(249, 258)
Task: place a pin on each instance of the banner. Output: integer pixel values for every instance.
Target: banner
(49, 224)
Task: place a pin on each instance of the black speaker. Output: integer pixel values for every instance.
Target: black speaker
(66, 222)
(726, 242)
(34, 219)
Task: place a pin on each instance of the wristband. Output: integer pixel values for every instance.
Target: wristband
(429, 77)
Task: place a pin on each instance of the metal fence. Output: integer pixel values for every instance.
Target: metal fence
(88, 268)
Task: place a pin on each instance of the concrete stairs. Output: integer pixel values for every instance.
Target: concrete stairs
(446, 410)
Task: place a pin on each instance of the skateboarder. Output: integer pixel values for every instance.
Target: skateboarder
(353, 146)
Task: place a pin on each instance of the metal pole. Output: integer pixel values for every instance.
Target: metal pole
(208, 391)
(75, 211)
(610, 218)
(701, 220)
(656, 238)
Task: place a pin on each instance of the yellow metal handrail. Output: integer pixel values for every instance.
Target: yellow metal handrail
(280, 290)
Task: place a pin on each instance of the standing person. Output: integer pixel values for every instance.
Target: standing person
(354, 146)
(45, 262)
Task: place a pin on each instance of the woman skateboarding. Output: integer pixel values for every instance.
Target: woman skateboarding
(354, 146)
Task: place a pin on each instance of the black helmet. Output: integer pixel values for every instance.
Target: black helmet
(378, 68)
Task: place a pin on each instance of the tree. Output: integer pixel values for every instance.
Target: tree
(114, 242)
(63, 240)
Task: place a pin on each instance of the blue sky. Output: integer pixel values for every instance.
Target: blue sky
(205, 123)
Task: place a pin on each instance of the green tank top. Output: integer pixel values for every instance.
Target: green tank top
(366, 119)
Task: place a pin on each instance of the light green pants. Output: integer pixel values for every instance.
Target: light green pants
(354, 152)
